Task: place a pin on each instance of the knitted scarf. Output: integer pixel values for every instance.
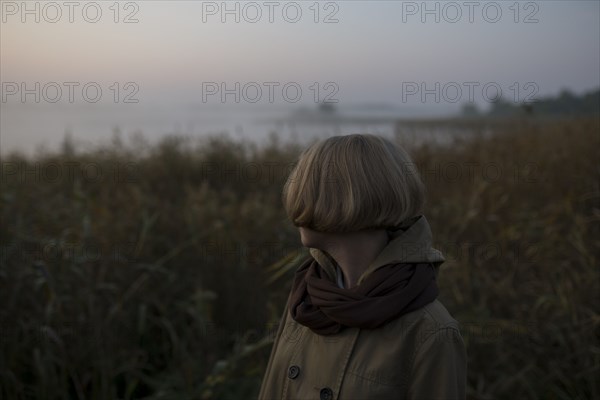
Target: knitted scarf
(390, 291)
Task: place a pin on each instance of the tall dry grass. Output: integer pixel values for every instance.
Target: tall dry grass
(141, 272)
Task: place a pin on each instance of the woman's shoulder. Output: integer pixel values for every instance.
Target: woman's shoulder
(429, 319)
(436, 313)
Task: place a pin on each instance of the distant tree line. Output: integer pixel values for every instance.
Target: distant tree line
(566, 103)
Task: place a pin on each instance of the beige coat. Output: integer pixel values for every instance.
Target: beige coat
(420, 355)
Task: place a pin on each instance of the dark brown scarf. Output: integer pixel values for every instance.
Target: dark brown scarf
(388, 292)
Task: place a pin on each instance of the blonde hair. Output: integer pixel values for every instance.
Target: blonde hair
(351, 183)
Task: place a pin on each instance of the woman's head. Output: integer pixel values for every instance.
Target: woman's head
(351, 183)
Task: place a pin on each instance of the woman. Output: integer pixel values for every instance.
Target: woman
(362, 320)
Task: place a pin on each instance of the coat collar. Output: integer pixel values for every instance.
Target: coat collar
(409, 242)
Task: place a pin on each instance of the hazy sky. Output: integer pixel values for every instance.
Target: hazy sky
(374, 48)
(376, 52)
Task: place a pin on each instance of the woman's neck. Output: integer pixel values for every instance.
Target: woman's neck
(355, 251)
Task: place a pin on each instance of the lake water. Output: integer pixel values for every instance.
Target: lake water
(28, 127)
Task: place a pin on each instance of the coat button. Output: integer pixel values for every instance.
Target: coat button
(326, 394)
(293, 372)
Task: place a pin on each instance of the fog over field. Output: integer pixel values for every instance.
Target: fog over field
(159, 67)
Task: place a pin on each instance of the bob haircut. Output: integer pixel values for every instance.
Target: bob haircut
(351, 183)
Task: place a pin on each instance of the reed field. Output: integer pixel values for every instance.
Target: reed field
(137, 271)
